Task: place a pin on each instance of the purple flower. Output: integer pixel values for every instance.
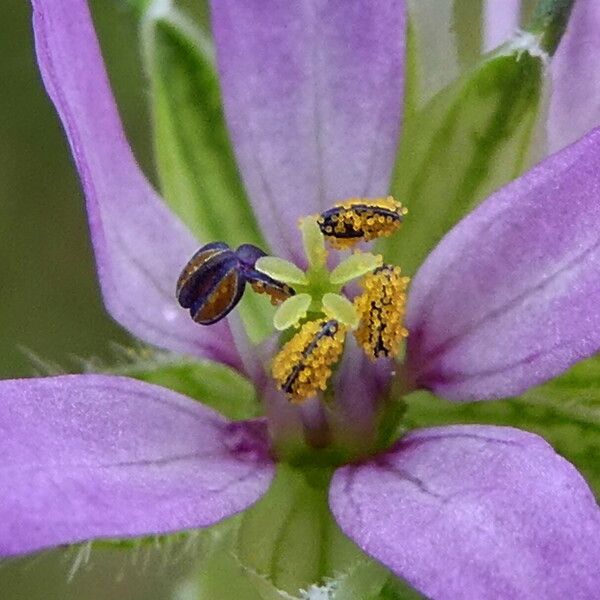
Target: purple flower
(313, 95)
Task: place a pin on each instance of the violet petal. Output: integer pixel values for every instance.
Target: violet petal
(500, 22)
(313, 98)
(575, 101)
(471, 512)
(89, 456)
(140, 246)
(508, 299)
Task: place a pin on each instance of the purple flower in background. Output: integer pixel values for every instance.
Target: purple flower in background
(313, 96)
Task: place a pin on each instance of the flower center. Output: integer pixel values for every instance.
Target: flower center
(315, 305)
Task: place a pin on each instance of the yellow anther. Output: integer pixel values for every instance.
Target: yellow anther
(361, 219)
(304, 365)
(381, 309)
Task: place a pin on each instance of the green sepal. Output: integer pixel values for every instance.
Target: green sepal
(159, 543)
(221, 576)
(550, 20)
(137, 6)
(470, 139)
(412, 74)
(224, 575)
(359, 583)
(395, 589)
(564, 411)
(211, 383)
(194, 158)
(198, 174)
(290, 537)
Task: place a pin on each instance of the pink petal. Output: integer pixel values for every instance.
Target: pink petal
(508, 299)
(86, 456)
(313, 98)
(140, 246)
(472, 512)
(575, 100)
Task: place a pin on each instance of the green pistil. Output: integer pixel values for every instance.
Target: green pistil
(282, 270)
(355, 266)
(314, 243)
(341, 309)
(292, 311)
(318, 290)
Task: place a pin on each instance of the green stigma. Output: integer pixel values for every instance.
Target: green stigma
(318, 290)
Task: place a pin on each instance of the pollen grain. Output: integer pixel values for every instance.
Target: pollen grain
(381, 309)
(361, 219)
(304, 364)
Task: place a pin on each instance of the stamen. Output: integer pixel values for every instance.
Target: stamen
(262, 283)
(213, 281)
(249, 254)
(277, 291)
(211, 284)
(381, 310)
(186, 283)
(303, 366)
(361, 219)
(221, 298)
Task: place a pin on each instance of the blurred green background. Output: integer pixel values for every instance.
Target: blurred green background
(49, 295)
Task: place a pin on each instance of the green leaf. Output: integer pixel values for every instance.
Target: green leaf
(469, 140)
(211, 383)
(564, 411)
(196, 166)
(290, 537)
